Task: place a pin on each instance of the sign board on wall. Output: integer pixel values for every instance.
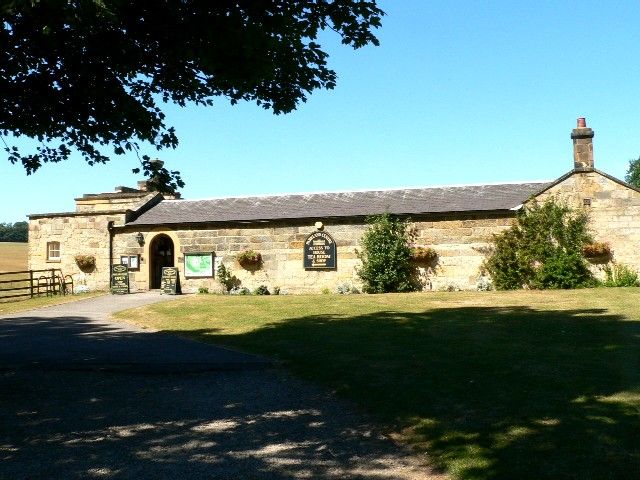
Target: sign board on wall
(198, 265)
(320, 252)
(170, 282)
(119, 279)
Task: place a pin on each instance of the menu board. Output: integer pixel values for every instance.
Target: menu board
(170, 282)
(119, 279)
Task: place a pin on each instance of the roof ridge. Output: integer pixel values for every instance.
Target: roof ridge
(368, 190)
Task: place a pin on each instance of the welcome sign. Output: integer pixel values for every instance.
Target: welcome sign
(319, 252)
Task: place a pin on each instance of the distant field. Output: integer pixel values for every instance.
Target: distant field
(13, 256)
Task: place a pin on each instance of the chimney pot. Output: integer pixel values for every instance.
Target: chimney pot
(582, 137)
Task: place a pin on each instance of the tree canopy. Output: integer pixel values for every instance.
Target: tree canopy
(85, 75)
(14, 232)
(633, 173)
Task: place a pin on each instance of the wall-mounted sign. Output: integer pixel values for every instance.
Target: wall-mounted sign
(119, 279)
(198, 265)
(170, 282)
(319, 252)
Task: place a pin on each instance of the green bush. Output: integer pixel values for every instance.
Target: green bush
(203, 290)
(542, 250)
(261, 290)
(386, 256)
(620, 275)
(225, 277)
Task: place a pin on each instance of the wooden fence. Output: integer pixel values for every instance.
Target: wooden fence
(33, 283)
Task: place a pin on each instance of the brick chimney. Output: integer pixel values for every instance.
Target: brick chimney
(582, 137)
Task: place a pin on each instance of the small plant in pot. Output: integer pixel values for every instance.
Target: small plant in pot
(249, 259)
(86, 263)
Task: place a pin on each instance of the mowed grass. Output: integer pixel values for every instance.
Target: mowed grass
(492, 385)
(13, 256)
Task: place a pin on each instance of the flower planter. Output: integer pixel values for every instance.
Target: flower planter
(86, 263)
(249, 260)
(423, 255)
(597, 252)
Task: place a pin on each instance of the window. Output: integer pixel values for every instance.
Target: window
(53, 251)
(131, 261)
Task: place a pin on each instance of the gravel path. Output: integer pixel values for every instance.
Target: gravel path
(82, 335)
(253, 422)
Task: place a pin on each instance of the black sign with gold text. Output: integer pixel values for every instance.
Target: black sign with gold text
(170, 282)
(119, 279)
(320, 252)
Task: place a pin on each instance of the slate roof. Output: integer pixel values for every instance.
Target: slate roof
(469, 198)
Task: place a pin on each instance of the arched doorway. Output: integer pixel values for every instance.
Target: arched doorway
(161, 255)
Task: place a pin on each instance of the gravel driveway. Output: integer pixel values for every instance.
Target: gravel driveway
(90, 408)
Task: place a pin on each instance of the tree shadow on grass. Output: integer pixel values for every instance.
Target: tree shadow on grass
(491, 393)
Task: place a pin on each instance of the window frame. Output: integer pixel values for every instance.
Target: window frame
(50, 249)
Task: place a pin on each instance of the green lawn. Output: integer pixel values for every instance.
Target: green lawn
(513, 385)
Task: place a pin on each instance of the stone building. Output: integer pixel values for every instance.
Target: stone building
(147, 231)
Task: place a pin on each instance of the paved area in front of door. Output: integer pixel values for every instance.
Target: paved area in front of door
(65, 414)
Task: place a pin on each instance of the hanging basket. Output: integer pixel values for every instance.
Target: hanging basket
(597, 252)
(249, 259)
(423, 254)
(86, 263)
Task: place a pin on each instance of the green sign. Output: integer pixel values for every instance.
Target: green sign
(170, 282)
(119, 279)
(198, 265)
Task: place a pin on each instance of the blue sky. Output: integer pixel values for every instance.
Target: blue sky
(458, 92)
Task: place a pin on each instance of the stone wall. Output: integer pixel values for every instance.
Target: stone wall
(613, 209)
(78, 234)
(460, 242)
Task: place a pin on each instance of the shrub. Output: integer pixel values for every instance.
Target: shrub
(249, 259)
(203, 290)
(261, 290)
(620, 275)
(237, 290)
(484, 284)
(325, 291)
(542, 250)
(386, 256)
(228, 280)
(345, 288)
(276, 290)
